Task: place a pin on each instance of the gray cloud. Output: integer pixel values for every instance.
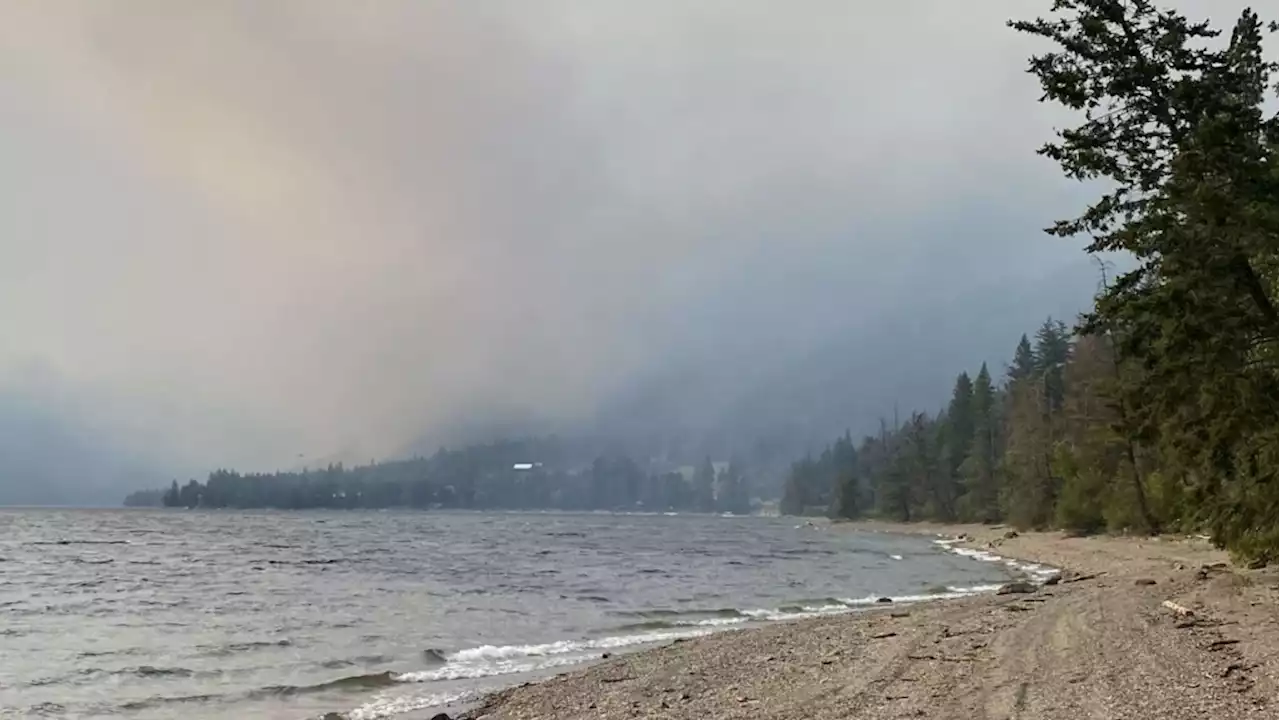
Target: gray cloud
(238, 231)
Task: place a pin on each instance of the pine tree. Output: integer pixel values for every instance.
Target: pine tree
(932, 489)
(1028, 489)
(958, 431)
(1052, 350)
(846, 501)
(1024, 361)
(1091, 457)
(980, 501)
(1175, 128)
(189, 495)
(171, 496)
(792, 502)
(893, 489)
(1121, 425)
(1034, 402)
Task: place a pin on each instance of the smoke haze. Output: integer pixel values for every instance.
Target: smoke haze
(238, 233)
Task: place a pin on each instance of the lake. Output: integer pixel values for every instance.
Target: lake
(157, 614)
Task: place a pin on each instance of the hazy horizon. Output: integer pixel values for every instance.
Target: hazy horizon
(245, 234)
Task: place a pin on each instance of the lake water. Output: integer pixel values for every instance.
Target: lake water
(160, 614)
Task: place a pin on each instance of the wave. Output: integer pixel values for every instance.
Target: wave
(682, 623)
(239, 647)
(105, 653)
(353, 683)
(645, 627)
(797, 610)
(388, 707)
(562, 647)
(79, 542)
(1036, 571)
(162, 701)
(152, 671)
(664, 613)
(653, 626)
(836, 607)
(85, 675)
(493, 668)
(730, 617)
(472, 663)
(338, 663)
(491, 660)
(368, 681)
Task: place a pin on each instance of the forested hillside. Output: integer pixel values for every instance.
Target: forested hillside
(523, 474)
(1160, 412)
(1033, 446)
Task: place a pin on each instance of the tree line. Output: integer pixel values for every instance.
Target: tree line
(1003, 449)
(1159, 412)
(509, 474)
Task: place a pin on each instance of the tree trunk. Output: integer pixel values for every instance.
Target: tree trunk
(1153, 525)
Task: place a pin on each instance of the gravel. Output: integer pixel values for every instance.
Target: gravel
(1101, 647)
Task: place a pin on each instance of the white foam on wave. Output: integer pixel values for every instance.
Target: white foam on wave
(805, 611)
(493, 660)
(489, 660)
(1036, 571)
(391, 705)
(951, 593)
(974, 589)
(561, 647)
(847, 605)
(496, 660)
(483, 669)
(711, 622)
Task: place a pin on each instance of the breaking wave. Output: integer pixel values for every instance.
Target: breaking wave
(652, 626)
(1035, 571)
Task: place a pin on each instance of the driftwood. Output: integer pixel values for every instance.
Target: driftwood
(941, 658)
(1082, 578)
(1219, 644)
(1179, 610)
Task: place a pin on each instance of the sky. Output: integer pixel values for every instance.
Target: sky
(241, 233)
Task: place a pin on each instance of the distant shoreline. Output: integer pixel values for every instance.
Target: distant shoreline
(1104, 631)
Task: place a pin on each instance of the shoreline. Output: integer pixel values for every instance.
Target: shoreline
(1104, 631)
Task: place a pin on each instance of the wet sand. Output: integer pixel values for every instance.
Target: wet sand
(1100, 644)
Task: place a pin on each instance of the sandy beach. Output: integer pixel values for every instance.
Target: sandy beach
(1137, 628)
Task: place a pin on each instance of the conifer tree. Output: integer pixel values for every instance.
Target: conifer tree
(1175, 126)
(959, 429)
(1052, 349)
(980, 500)
(846, 501)
(1024, 360)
